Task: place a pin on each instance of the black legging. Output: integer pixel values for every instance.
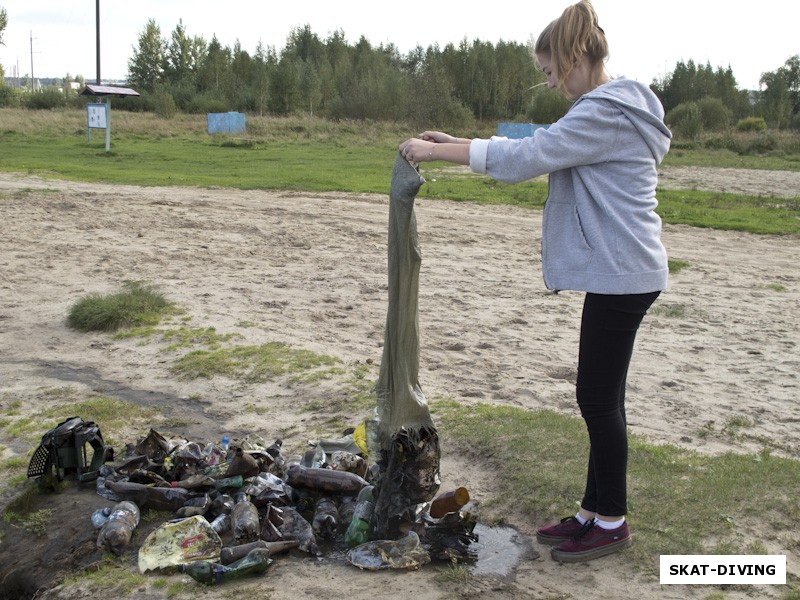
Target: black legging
(608, 331)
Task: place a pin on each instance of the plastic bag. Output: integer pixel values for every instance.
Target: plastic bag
(179, 542)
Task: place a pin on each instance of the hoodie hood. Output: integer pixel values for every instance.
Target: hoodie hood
(642, 107)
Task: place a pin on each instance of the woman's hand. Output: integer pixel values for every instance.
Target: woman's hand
(417, 150)
(435, 145)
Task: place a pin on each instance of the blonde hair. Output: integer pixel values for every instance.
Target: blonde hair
(574, 34)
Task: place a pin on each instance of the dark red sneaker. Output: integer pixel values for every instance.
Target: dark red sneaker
(593, 543)
(566, 529)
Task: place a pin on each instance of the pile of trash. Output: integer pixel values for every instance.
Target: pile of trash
(239, 503)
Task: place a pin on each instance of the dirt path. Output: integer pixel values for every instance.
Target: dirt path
(310, 270)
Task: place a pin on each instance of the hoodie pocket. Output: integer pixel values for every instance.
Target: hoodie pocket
(564, 245)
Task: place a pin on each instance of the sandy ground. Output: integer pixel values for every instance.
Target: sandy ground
(310, 270)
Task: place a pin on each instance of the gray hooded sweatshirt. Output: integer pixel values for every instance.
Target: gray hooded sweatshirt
(600, 231)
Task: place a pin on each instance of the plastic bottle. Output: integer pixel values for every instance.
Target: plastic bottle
(195, 506)
(358, 532)
(226, 442)
(326, 518)
(327, 480)
(449, 502)
(222, 504)
(209, 573)
(100, 516)
(236, 481)
(116, 532)
(159, 498)
(221, 523)
(194, 482)
(314, 458)
(231, 554)
(244, 519)
(244, 464)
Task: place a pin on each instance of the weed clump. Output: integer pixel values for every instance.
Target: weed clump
(137, 304)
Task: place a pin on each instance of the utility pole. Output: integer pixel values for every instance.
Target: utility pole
(33, 81)
(97, 10)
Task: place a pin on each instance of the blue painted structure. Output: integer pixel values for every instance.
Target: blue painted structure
(517, 130)
(229, 122)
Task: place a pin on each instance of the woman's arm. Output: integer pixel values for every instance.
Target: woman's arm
(435, 145)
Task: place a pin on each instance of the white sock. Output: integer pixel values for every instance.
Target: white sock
(609, 524)
(580, 519)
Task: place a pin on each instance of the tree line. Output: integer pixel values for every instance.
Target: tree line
(448, 87)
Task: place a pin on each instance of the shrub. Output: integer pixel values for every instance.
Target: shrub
(762, 144)
(9, 97)
(136, 304)
(164, 105)
(752, 124)
(722, 142)
(686, 119)
(45, 99)
(715, 115)
(207, 102)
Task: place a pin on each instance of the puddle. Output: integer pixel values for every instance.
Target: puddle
(500, 550)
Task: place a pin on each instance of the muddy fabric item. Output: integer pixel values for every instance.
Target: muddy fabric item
(409, 478)
(400, 401)
(452, 537)
(407, 440)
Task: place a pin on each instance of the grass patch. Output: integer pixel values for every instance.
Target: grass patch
(680, 502)
(777, 287)
(110, 578)
(676, 266)
(112, 414)
(308, 154)
(671, 311)
(252, 364)
(137, 304)
(192, 336)
(734, 212)
(23, 511)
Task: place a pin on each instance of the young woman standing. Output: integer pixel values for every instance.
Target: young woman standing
(600, 235)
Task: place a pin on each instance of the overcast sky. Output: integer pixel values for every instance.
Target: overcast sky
(647, 38)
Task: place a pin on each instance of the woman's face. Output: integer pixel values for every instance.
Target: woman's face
(575, 85)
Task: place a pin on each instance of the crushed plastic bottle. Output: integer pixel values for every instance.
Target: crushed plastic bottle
(116, 532)
(326, 518)
(244, 519)
(231, 554)
(404, 553)
(195, 506)
(244, 464)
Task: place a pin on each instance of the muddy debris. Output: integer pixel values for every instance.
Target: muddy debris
(294, 504)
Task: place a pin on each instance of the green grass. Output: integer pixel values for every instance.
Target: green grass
(112, 578)
(137, 304)
(676, 265)
(253, 364)
(680, 501)
(314, 155)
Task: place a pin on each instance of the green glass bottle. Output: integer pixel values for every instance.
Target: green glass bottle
(359, 530)
(210, 573)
